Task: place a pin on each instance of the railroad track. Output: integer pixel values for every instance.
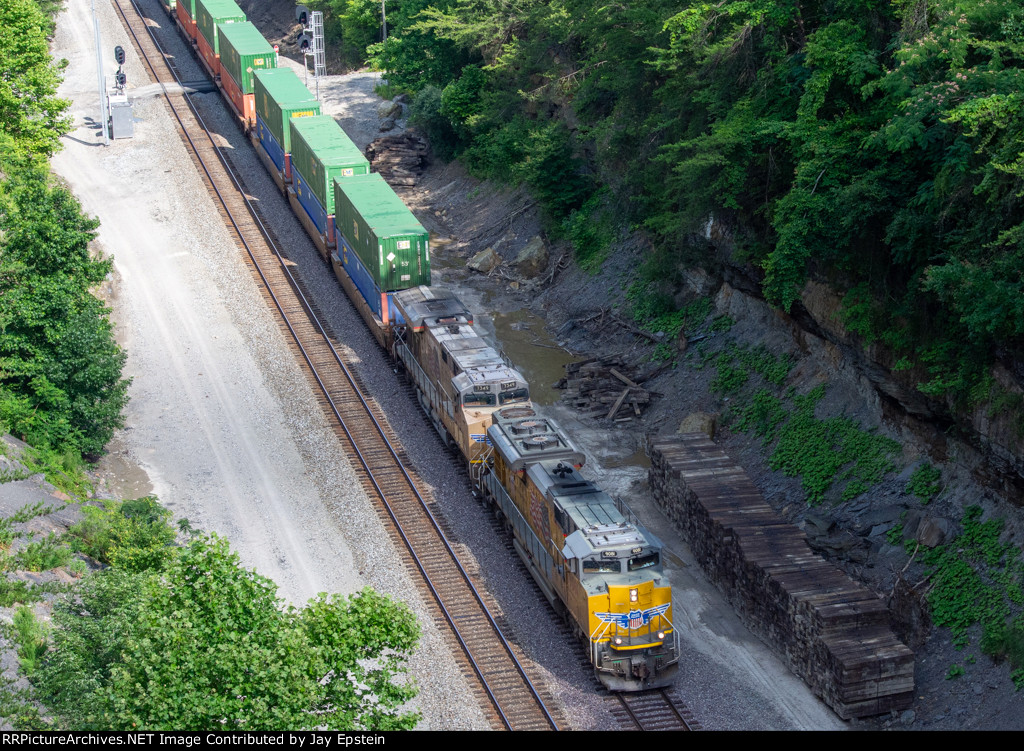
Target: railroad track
(660, 709)
(506, 694)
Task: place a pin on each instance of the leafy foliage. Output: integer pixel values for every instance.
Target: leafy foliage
(32, 117)
(924, 482)
(205, 644)
(822, 452)
(977, 579)
(30, 636)
(873, 145)
(131, 535)
(60, 369)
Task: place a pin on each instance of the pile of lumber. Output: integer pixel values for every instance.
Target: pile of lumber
(832, 631)
(399, 159)
(604, 387)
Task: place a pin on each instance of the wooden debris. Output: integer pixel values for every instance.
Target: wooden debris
(595, 386)
(399, 159)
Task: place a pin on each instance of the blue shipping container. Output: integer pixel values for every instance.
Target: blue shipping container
(309, 201)
(363, 280)
(270, 144)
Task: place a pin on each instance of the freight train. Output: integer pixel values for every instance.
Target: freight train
(588, 553)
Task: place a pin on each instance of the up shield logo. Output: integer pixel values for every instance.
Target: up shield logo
(634, 619)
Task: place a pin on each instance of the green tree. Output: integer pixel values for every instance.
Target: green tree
(60, 368)
(30, 112)
(205, 644)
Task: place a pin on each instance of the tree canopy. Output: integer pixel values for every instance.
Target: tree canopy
(876, 146)
(203, 644)
(32, 116)
(60, 368)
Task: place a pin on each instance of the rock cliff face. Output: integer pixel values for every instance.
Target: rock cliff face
(987, 440)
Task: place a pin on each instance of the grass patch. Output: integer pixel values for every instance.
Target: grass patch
(823, 452)
(31, 637)
(924, 482)
(64, 470)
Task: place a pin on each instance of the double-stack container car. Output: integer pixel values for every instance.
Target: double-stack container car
(185, 12)
(321, 153)
(379, 243)
(243, 51)
(170, 5)
(279, 97)
(210, 15)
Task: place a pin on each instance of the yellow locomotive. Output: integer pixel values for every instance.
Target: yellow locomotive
(590, 556)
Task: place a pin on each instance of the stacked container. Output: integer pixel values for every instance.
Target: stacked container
(243, 50)
(209, 15)
(280, 96)
(186, 12)
(321, 152)
(380, 245)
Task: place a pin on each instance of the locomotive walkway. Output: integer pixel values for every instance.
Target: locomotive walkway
(507, 695)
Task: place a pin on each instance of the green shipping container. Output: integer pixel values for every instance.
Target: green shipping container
(322, 152)
(280, 96)
(210, 13)
(390, 243)
(189, 6)
(169, 4)
(243, 51)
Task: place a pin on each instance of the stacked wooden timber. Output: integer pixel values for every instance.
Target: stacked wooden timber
(399, 159)
(604, 387)
(833, 632)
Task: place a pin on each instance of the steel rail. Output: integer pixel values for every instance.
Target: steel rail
(334, 408)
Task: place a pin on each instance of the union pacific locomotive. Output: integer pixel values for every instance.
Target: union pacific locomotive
(589, 555)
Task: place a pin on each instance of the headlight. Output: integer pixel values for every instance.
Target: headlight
(617, 640)
(634, 595)
(661, 636)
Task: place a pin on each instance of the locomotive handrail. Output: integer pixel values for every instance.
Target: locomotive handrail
(305, 303)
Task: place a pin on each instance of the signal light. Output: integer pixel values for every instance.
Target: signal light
(121, 79)
(119, 56)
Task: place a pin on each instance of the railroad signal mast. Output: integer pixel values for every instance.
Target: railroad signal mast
(121, 122)
(311, 42)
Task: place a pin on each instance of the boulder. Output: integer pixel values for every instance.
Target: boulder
(533, 258)
(699, 422)
(485, 261)
(387, 124)
(389, 109)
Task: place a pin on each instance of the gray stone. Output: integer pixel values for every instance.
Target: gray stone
(389, 110)
(533, 258)
(815, 525)
(699, 422)
(933, 532)
(485, 261)
(387, 124)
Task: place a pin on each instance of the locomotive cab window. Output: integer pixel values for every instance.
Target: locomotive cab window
(601, 566)
(477, 399)
(643, 561)
(514, 395)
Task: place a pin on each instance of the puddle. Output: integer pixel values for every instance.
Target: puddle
(525, 341)
(123, 478)
(638, 458)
